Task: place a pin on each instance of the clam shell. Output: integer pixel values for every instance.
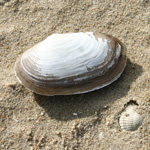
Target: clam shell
(71, 63)
(130, 120)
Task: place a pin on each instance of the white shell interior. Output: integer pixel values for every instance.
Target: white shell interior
(70, 54)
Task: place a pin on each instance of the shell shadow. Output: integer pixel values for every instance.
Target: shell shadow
(84, 105)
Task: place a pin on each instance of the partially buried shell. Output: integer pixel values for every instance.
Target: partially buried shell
(130, 120)
(71, 63)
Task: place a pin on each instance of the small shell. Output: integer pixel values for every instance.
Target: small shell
(130, 120)
(71, 63)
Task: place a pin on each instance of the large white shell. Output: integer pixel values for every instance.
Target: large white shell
(130, 120)
(71, 63)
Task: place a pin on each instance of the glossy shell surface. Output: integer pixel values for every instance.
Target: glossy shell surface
(71, 63)
(130, 120)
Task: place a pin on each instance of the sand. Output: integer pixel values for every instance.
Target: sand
(78, 122)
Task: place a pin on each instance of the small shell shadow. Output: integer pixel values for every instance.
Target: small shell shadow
(84, 105)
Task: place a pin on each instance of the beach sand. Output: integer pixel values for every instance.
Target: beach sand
(86, 121)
